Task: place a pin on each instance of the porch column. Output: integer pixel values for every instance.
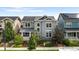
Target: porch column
(66, 35)
(76, 35)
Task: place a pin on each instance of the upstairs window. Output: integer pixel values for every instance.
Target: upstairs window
(27, 24)
(38, 24)
(48, 25)
(68, 24)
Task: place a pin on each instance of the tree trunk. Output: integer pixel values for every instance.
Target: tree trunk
(4, 46)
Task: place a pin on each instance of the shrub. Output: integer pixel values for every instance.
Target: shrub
(74, 42)
(33, 41)
(17, 46)
(66, 42)
(41, 42)
(18, 39)
(31, 44)
(71, 43)
(48, 44)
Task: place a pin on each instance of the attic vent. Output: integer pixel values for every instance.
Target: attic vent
(48, 19)
(44, 17)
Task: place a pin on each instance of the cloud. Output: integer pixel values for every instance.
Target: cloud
(15, 9)
(34, 10)
(24, 10)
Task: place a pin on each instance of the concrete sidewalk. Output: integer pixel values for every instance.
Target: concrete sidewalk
(38, 48)
(44, 49)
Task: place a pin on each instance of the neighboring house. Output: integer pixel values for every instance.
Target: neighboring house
(43, 25)
(27, 26)
(15, 20)
(70, 23)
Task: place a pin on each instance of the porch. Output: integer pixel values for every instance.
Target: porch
(72, 34)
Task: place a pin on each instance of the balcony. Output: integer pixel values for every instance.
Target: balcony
(74, 25)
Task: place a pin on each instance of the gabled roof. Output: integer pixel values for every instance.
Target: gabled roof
(32, 18)
(70, 16)
(28, 18)
(47, 17)
(11, 17)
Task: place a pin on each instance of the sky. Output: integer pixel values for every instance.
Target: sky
(36, 11)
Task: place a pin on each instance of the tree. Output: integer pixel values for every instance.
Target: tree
(18, 39)
(58, 36)
(8, 31)
(33, 41)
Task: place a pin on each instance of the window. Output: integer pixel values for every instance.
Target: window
(38, 24)
(47, 35)
(48, 25)
(72, 34)
(28, 24)
(26, 34)
(38, 29)
(68, 24)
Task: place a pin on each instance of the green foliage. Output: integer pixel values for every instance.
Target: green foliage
(45, 43)
(8, 31)
(71, 42)
(41, 42)
(33, 41)
(66, 42)
(18, 39)
(48, 44)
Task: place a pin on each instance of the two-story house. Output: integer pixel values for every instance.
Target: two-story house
(27, 26)
(43, 25)
(70, 23)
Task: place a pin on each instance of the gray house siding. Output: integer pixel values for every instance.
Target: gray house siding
(69, 22)
(38, 24)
